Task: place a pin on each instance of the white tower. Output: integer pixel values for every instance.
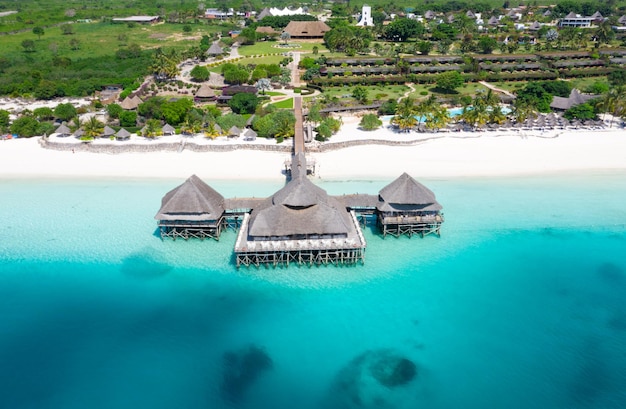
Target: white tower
(366, 17)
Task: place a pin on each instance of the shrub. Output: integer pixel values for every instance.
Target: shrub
(370, 122)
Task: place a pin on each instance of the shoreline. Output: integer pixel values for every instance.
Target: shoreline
(445, 155)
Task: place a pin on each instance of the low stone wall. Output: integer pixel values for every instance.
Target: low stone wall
(123, 147)
(157, 147)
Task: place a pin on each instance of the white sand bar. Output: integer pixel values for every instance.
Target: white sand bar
(453, 154)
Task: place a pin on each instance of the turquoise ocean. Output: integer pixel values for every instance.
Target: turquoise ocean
(521, 303)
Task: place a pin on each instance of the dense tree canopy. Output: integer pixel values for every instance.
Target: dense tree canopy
(200, 73)
(65, 112)
(243, 103)
(402, 29)
(449, 81)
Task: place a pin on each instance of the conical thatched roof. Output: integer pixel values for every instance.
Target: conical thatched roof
(168, 129)
(130, 103)
(108, 131)
(122, 134)
(300, 208)
(193, 200)
(234, 131)
(63, 130)
(249, 134)
(205, 92)
(215, 49)
(405, 193)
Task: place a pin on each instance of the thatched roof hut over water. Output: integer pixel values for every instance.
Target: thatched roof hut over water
(300, 209)
(194, 200)
(406, 193)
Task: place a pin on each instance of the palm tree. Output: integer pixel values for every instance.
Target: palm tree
(604, 33)
(404, 122)
(438, 118)
(153, 128)
(614, 102)
(523, 110)
(496, 116)
(93, 128)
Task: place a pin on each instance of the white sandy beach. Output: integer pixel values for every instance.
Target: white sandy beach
(440, 155)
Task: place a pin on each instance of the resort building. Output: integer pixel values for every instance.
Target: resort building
(406, 207)
(575, 98)
(193, 209)
(307, 29)
(300, 224)
(576, 20)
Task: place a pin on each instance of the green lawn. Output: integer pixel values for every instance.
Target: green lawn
(101, 39)
(285, 104)
(270, 59)
(269, 47)
(380, 92)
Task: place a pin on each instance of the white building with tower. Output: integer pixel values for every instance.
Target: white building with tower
(366, 17)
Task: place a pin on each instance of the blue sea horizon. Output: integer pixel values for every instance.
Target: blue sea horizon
(519, 304)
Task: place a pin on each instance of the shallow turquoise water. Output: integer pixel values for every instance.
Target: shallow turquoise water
(519, 304)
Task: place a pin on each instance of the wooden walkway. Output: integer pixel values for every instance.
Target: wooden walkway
(298, 137)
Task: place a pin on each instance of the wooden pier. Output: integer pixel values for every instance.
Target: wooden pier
(300, 223)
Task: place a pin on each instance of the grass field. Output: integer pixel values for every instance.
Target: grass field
(100, 39)
(270, 59)
(381, 92)
(270, 47)
(285, 104)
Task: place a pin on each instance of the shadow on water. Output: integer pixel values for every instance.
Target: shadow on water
(241, 369)
(145, 264)
(593, 380)
(157, 233)
(611, 273)
(374, 379)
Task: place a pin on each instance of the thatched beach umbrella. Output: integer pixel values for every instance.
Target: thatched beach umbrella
(168, 129)
(108, 131)
(249, 135)
(234, 132)
(122, 135)
(63, 131)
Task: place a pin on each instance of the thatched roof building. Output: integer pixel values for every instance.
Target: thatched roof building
(205, 93)
(130, 103)
(267, 31)
(193, 209)
(307, 29)
(299, 210)
(215, 49)
(575, 98)
(264, 13)
(194, 200)
(406, 207)
(406, 194)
